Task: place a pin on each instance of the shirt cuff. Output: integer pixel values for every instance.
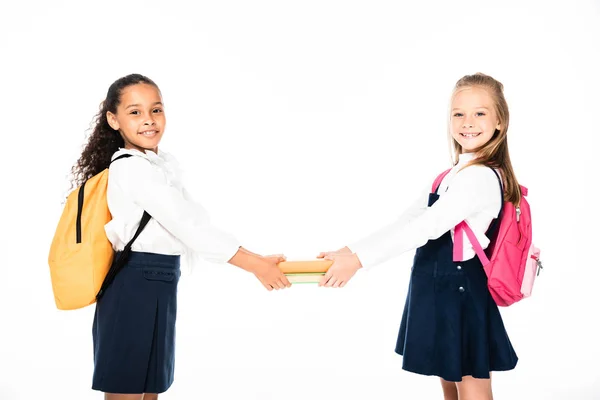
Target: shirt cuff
(367, 258)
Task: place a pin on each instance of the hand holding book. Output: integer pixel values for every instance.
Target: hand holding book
(344, 266)
(331, 269)
(265, 268)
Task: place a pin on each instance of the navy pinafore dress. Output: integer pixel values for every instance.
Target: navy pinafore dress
(451, 327)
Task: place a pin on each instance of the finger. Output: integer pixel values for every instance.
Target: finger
(275, 256)
(332, 281)
(329, 279)
(265, 284)
(326, 254)
(279, 283)
(285, 281)
(338, 283)
(343, 284)
(325, 279)
(278, 258)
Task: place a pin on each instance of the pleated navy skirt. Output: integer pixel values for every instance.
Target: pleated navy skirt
(451, 327)
(134, 327)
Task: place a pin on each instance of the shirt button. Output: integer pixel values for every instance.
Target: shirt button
(461, 289)
(459, 267)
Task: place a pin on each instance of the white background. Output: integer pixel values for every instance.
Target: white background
(302, 126)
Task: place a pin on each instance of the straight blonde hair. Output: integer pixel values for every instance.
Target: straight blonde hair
(494, 153)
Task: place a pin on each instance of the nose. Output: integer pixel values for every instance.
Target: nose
(150, 120)
(468, 122)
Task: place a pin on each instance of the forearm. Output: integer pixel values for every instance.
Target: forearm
(247, 260)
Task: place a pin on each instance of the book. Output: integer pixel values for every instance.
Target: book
(306, 277)
(299, 267)
(305, 271)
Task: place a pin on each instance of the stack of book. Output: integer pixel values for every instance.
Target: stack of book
(305, 271)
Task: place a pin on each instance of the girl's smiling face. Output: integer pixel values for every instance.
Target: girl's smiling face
(473, 118)
(140, 117)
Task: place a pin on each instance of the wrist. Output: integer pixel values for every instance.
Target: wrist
(248, 261)
(355, 256)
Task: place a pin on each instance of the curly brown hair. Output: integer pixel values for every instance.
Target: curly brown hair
(104, 141)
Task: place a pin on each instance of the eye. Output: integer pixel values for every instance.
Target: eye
(135, 112)
(480, 114)
(157, 110)
(458, 115)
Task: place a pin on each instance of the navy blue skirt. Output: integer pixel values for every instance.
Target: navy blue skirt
(134, 327)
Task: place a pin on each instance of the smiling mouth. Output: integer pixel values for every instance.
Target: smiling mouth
(149, 133)
(470, 135)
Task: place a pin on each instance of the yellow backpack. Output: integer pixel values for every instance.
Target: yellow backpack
(81, 256)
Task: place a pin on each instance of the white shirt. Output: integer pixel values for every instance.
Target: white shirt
(179, 226)
(473, 195)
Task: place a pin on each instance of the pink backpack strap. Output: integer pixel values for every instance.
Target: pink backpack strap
(439, 180)
(457, 253)
(461, 228)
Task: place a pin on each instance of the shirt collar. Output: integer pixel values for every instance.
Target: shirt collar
(160, 158)
(464, 158)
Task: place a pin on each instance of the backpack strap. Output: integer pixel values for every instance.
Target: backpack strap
(458, 243)
(438, 181)
(80, 199)
(121, 156)
(464, 227)
(118, 264)
(496, 222)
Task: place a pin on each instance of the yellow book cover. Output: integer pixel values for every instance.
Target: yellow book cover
(299, 267)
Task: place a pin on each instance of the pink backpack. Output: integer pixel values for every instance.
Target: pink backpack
(514, 262)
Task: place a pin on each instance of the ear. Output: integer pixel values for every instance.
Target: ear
(112, 120)
(498, 126)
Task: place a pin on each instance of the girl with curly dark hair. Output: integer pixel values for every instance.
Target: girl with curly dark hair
(134, 320)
